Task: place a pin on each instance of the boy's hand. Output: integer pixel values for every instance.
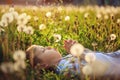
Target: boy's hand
(68, 44)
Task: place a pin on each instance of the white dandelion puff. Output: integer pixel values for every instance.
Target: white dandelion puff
(48, 14)
(118, 21)
(98, 15)
(106, 16)
(8, 17)
(29, 30)
(67, 18)
(77, 49)
(86, 15)
(19, 55)
(21, 28)
(11, 9)
(42, 26)
(87, 70)
(57, 37)
(112, 37)
(90, 57)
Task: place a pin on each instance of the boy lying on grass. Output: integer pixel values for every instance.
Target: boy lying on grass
(88, 62)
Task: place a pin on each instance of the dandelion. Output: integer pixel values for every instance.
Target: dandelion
(11, 9)
(57, 37)
(19, 65)
(8, 17)
(67, 18)
(86, 15)
(90, 57)
(60, 9)
(112, 37)
(106, 16)
(22, 19)
(77, 49)
(98, 15)
(19, 55)
(15, 14)
(36, 18)
(87, 70)
(42, 26)
(7, 67)
(29, 30)
(118, 21)
(48, 14)
(3, 23)
(21, 28)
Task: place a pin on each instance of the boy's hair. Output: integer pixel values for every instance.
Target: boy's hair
(32, 56)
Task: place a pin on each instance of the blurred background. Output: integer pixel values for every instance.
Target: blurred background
(63, 2)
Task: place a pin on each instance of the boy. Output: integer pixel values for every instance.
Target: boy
(45, 57)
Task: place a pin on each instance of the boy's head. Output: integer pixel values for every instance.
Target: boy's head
(44, 56)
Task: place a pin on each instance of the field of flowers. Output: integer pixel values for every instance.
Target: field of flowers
(96, 28)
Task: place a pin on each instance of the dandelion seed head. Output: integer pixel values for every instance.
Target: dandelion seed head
(77, 49)
(112, 37)
(29, 30)
(21, 28)
(48, 14)
(42, 26)
(67, 18)
(19, 65)
(19, 55)
(57, 37)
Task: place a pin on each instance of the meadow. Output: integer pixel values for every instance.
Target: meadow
(96, 28)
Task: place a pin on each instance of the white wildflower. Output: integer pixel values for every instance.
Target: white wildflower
(19, 55)
(90, 57)
(77, 49)
(42, 26)
(21, 28)
(15, 15)
(67, 18)
(87, 70)
(112, 37)
(57, 37)
(48, 14)
(29, 30)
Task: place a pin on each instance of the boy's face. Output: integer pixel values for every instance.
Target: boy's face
(49, 56)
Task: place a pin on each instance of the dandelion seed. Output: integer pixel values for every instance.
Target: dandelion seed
(19, 55)
(77, 50)
(29, 30)
(7, 67)
(42, 26)
(48, 14)
(67, 18)
(112, 37)
(21, 28)
(57, 37)
(90, 57)
(87, 70)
